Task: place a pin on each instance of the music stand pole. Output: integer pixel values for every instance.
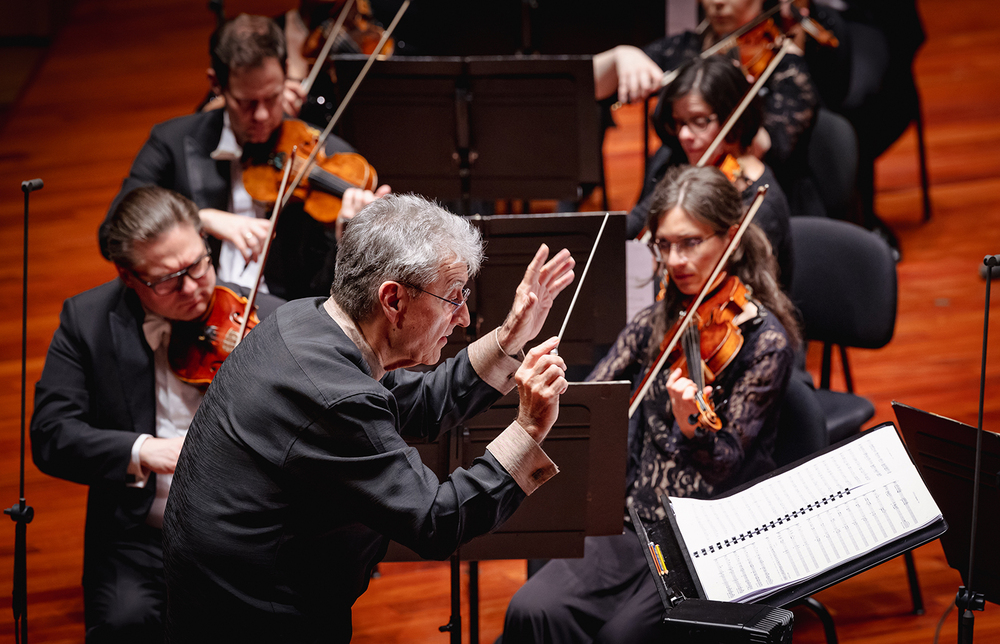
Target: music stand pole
(22, 513)
(967, 599)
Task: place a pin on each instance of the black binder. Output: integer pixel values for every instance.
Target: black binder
(681, 580)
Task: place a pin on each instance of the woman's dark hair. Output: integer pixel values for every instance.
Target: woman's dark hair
(722, 86)
(245, 42)
(142, 216)
(708, 197)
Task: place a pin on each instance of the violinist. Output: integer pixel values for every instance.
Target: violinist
(609, 595)
(202, 156)
(689, 115)
(790, 101)
(110, 414)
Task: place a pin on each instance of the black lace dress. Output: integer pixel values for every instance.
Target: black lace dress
(748, 398)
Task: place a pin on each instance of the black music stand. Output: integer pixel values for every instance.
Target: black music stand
(586, 498)
(945, 451)
(599, 314)
(477, 128)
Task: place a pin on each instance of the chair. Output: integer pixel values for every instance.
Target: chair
(844, 284)
(821, 181)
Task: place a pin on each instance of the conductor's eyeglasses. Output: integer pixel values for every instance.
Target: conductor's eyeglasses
(456, 303)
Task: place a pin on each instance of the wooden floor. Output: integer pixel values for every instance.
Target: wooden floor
(120, 66)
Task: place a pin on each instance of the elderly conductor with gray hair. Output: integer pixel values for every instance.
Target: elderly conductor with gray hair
(294, 474)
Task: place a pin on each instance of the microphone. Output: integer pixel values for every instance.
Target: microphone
(32, 185)
(990, 267)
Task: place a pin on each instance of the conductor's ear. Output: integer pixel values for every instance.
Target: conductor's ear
(394, 298)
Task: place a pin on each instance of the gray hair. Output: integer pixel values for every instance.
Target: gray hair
(142, 216)
(399, 238)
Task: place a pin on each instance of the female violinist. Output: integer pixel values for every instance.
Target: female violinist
(789, 104)
(689, 115)
(609, 595)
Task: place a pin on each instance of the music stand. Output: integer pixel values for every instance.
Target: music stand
(599, 314)
(587, 498)
(477, 128)
(944, 451)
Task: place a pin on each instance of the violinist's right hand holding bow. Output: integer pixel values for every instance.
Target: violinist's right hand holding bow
(628, 70)
(247, 234)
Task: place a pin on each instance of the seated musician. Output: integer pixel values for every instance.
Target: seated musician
(200, 156)
(790, 101)
(111, 414)
(689, 115)
(608, 595)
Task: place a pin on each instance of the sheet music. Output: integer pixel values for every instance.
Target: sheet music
(807, 520)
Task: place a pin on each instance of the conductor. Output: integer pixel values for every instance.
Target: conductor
(295, 475)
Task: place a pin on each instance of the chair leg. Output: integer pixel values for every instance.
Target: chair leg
(911, 574)
(847, 370)
(925, 184)
(824, 617)
(824, 372)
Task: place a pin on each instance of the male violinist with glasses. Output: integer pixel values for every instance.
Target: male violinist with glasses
(111, 414)
(201, 156)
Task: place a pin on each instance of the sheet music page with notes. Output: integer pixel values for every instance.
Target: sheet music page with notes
(788, 528)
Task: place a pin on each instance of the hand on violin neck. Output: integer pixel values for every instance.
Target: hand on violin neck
(682, 392)
(352, 202)
(628, 70)
(247, 234)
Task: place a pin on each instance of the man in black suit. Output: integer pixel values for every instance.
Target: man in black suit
(200, 156)
(110, 414)
(295, 474)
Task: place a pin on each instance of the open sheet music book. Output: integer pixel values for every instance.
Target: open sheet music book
(796, 525)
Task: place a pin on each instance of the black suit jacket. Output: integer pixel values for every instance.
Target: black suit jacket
(177, 156)
(95, 396)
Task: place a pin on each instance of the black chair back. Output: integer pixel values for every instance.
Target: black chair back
(844, 283)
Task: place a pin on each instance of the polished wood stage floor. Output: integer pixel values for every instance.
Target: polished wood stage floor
(119, 66)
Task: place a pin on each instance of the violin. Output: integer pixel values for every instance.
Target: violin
(710, 343)
(321, 190)
(694, 308)
(757, 48)
(361, 33)
(198, 348)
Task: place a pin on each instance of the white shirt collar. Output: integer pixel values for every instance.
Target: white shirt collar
(228, 149)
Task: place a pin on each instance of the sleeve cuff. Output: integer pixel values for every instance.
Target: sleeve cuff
(492, 365)
(137, 475)
(522, 457)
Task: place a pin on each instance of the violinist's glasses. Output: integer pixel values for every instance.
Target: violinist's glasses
(175, 281)
(456, 303)
(685, 247)
(697, 125)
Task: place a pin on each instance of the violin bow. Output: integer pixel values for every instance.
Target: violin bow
(583, 276)
(647, 381)
(263, 254)
(311, 159)
(308, 81)
(731, 121)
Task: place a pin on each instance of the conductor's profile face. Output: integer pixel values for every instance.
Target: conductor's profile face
(433, 313)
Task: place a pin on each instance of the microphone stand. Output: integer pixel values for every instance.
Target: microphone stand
(22, 513)
(967, 599)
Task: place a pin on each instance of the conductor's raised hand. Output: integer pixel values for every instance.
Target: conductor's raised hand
(542, 282)
(541, 379)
